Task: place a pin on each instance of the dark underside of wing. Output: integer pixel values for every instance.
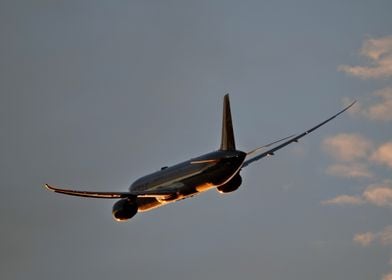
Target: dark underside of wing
(164, 191)
(108, 195)
(294, 138)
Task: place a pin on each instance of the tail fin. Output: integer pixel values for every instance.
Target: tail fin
(227, 140)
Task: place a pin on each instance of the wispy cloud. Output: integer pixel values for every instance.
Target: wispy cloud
(379, 110)
(349, 170)
(383, 237)
(379, 194)
(375, 107)
(375, 194)
(347, 146)
(383, 155)
(387, 277)
(345, 200)
(382, 110)
(354, 154)
(379, 53)
(364, 239)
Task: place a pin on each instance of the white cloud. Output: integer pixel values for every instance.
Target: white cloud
(383, 155)
(383, 237)
(376, 194)
(345, 199)
(379, 53)
(387, 277)
(364, 239)
(381, 110)
(380, 195)
(349, 170)
(378, 107)
(347, 146)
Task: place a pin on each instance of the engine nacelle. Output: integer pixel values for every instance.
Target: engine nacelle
(124, 209)
(232, 185)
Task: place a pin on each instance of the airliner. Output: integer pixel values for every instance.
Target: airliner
(219, 170)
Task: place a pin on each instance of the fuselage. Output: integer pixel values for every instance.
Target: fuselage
(190, 177)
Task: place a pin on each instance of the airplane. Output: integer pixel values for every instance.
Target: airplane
(218, 170)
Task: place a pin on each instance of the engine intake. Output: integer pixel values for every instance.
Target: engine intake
(124, 209)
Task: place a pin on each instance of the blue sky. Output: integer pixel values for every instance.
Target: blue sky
(95, 94)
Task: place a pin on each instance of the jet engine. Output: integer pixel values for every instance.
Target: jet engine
(232, 185)
(124, 209)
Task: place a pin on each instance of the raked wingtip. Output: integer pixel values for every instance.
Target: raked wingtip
(48, 187)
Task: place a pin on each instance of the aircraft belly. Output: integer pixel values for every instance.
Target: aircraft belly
(204, 187)
(170, 188)
(186, 180)
(147, 203)
(185, 187)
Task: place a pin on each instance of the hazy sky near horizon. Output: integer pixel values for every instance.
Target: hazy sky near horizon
(94, 94)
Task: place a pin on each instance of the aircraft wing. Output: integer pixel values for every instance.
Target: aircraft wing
(271, 151)
(159, 192)
(90, 194)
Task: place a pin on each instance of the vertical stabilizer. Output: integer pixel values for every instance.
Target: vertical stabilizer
(227, 140)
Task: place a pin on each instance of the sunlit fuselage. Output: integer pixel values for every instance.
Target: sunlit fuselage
(188, 178)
